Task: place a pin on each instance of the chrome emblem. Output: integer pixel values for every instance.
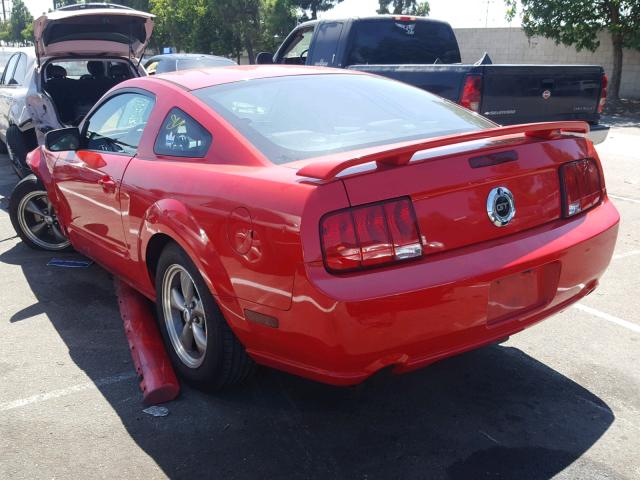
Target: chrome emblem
(500, 206)
(546, 94)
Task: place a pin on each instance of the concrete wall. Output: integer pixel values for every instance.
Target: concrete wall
(511, 45)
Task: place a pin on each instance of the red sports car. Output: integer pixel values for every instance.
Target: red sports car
(324, 222)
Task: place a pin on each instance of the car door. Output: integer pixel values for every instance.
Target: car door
(88, 180)
(6, 92)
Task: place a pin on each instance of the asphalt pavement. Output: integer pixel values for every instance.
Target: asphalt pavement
(560, 400)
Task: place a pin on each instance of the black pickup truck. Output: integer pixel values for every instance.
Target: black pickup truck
(424, 52)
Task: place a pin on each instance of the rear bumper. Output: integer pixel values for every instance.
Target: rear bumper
(340, 330)
(598, 133)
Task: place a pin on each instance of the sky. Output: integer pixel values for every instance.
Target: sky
(459, 13)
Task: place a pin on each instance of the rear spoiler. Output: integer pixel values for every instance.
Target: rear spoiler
(402, 154)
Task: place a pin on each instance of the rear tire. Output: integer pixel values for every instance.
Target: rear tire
(18, 145)
(33, 217)
(203, 349)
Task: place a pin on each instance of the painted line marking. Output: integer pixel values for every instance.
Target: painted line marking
(42, 397)
(609, 318)
(626, 199)
(632, 253)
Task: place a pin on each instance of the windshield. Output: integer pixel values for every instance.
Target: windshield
(298, 117)
(387, 41)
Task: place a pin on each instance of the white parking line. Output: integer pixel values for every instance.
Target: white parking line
(626, 199)
(23, 402)
(632, 253)
(634, 327)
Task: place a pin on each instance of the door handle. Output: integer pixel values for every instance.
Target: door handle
(108, 184)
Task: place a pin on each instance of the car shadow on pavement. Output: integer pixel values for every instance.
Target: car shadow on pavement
(492, 413)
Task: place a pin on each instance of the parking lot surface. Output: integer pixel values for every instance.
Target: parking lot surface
(560, 400)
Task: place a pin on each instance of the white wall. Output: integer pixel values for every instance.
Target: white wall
(511, 45)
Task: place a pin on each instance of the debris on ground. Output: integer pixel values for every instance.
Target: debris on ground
(157, 411)
(68, 263)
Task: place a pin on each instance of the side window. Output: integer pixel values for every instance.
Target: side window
(327, 37)
(9, 69)
(117, 125)
(181, 136)
(20, 71)
(296, 52)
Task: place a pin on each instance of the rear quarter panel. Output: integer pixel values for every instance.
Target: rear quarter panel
(209, 205)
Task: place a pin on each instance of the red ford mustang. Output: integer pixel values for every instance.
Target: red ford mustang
(323, 222)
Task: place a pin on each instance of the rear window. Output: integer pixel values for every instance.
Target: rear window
(298, 117)
(387, 42)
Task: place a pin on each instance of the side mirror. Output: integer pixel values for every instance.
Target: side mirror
(62, 140)
(264, 58)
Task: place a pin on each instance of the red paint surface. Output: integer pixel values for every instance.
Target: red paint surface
(252, 229)
(158, 381)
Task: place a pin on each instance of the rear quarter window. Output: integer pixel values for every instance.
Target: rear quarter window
(181, 136)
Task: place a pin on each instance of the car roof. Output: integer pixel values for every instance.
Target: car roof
(310, 23)
(208, 77)
(178, 56)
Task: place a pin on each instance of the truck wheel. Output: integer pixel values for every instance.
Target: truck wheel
(18, 145)
(202, 347)
(34, 218)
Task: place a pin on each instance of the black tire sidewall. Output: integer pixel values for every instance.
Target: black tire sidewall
(28, 184)
(209, 374)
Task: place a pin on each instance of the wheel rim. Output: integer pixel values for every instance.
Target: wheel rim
(38, 221)
(184, 316)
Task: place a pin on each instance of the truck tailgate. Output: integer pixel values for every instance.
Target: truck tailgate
(530, 93)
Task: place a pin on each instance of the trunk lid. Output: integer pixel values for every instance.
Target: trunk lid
(450, 191)
(100, 30)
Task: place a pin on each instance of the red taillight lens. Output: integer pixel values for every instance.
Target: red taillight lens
(603, 93)
(582, 187)
(471, 93)
(370, 235)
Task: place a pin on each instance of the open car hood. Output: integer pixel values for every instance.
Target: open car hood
(122, 32)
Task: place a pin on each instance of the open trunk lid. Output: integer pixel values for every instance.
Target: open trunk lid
(450, 184)
(102, 30)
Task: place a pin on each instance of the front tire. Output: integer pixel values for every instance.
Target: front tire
(202, 347)
(33, 217)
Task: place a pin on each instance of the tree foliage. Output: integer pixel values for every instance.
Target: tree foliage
(578, 23)
(19, 27)
(406, 7)
(314, 6)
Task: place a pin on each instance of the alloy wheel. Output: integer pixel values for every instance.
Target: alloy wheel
(39, 223)
(184, 316)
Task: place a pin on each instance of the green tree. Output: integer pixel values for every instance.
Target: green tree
(21, 18)
(405, 7)
(315, 6)
(578, 22)
(278, 18)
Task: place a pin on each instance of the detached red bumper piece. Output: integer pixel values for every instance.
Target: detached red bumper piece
(158, 381)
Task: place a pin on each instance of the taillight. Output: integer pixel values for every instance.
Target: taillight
(603, 93)
(471, 92)
(370, 235)
(581, 186)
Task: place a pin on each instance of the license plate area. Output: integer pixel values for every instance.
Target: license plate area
(519, 293)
